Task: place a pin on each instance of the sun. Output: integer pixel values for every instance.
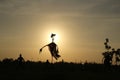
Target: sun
(55, 29)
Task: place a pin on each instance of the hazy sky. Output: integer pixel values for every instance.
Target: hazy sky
(81, 25)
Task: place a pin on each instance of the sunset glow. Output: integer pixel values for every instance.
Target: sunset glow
(81, 26)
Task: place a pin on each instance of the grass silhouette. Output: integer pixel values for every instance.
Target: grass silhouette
(10, 69)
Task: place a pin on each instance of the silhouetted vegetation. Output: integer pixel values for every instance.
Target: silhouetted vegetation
(9, 69)
(108, 55)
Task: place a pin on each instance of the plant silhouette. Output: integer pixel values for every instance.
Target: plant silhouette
(108, 55)
(107, 59)
(53, 48)
(117, 56)
(20, 60)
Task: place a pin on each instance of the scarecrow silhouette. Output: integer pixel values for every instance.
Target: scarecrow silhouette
(53, 48)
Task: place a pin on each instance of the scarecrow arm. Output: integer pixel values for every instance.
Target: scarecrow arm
(42, 48)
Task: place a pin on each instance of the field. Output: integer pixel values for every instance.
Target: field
(61, 70)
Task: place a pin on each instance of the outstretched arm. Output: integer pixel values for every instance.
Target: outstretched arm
(42, 48)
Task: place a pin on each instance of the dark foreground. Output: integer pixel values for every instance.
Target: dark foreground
(68, 71)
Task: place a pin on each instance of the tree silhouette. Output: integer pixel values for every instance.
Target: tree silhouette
(108, 55)
(107, 59)
(117, 56)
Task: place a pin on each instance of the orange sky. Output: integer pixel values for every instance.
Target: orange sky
(82, 26)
